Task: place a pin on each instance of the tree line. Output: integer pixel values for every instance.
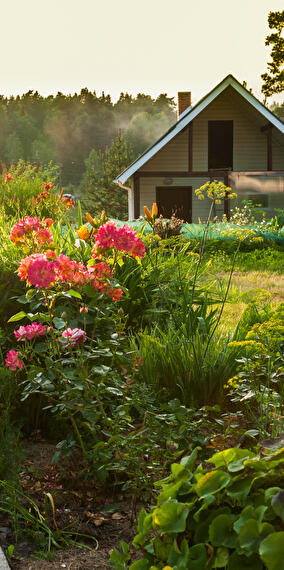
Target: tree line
(66, 128)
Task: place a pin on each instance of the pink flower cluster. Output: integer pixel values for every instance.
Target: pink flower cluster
(34, 228)
(13, 361)
(73, 337)
(29, 332)
(43, 270)
(123, 239)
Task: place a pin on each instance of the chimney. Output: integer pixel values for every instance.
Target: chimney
(184, 101)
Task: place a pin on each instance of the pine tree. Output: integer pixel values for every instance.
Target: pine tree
(98, 190)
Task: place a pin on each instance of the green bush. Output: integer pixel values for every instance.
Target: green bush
(224, 513)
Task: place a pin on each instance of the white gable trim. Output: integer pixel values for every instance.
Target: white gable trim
(190, 114)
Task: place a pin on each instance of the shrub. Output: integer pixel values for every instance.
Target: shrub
(224, 513)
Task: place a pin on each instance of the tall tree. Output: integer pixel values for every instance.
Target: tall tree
(97, 188)
(274, 79)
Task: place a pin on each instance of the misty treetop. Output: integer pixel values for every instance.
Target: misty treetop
(65, 128)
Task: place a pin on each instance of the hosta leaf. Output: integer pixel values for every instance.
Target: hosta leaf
(221, 558)
(252, 533)
(221, 531)
(211, 483)
(224, 458)
(271, 551)
(171, 517)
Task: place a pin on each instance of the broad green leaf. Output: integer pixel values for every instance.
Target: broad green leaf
(221, 558)
(249, 512)
(240, 488)
(271, 551)
(171, 517)
(221, 531)
(252, 533)
(59, 323)
(224, 458)
(239, 562)
(197, 556)
(17, 317)
(270, 493)
(211, 483)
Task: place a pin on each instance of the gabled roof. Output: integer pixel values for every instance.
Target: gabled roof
(189, 114)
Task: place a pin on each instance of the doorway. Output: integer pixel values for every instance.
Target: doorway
(175, 200)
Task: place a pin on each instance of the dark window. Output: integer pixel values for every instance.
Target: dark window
(174, 200)
(220, 144)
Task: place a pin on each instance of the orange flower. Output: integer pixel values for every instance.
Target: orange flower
(9, 176)
(83, 232)
(154, 210)
(90, 219)
(147, 212)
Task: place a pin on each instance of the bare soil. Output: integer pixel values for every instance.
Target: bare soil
(78, 501)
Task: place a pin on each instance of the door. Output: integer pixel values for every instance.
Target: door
(175, 200)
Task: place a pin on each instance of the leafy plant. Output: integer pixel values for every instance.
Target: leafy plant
(224, 513)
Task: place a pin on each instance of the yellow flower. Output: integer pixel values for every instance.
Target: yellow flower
(83, 232)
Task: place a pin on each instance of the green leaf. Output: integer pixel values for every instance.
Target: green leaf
(141, 564)
(221, 558)
(270, 493)
(211, 483)
(189, 461)
(221, 531)
(240, 488)
(249, 512)
(171, 517)
(252, 533)
(17, 317)
(59, 323)
(271, 551)
(224, 458)
(73, 293)
(239, 562)
(197, 556)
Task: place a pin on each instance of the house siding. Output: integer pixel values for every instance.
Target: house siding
(277, 151)
(249, 143)
(174, 156)
(200, 208)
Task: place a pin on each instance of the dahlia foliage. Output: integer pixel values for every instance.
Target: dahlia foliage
(51, 273)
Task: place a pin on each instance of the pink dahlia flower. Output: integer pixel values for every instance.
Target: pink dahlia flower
(73, 337)
(13, 361)
(29, 332)
(41, 272)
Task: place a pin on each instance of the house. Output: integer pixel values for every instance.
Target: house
(228, 135)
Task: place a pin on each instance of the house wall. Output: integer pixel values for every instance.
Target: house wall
(174, 156)
(200, 208)
(277, 151)
(249, 143)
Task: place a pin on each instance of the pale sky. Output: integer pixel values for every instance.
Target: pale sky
(148, 46)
